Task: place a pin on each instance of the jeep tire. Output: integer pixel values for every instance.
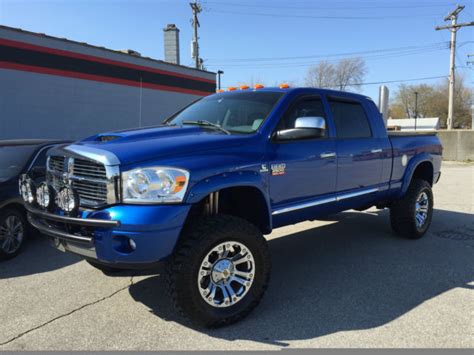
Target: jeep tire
(410, 216)
(219, 271)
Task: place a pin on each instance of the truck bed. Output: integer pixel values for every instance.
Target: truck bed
(411, 133)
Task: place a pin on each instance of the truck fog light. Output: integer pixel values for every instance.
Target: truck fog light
(44, 195)
(132, 244)
(27, 189)
(67, 199)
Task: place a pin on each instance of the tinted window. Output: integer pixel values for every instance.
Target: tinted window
(241, 112)
(350, 119)
(13, 159)
(303, 108)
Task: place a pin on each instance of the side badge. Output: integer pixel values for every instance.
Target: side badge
(264, 168)
(278, 169)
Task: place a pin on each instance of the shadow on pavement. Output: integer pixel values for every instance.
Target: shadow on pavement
(347, 275)
(36, 257)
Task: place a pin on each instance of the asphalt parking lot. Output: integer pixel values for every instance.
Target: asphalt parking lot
(344, 282)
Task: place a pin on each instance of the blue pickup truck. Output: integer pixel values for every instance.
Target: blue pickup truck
(201, 190)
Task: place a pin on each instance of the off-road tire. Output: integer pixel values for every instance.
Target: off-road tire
(403, 211)
(26, 231)
(197, 239)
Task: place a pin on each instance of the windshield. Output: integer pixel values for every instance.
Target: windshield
(13, 159)
(241, 112)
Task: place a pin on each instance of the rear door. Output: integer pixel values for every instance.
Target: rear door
(359, 151)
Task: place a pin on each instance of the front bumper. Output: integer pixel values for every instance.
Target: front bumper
(104, 235)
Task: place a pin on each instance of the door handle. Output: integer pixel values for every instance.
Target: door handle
(379, 150)
(328, 155)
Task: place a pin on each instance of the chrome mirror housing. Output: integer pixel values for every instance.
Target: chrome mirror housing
(311, 122)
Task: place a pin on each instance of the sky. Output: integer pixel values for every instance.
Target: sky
(268, 41)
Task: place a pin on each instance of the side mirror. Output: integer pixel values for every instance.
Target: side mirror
(305, 128)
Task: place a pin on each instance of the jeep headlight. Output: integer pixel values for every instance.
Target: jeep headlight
(154, 185)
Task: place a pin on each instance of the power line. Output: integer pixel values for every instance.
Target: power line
(401, 80)
(341, 54)
(375, 18)
(300, 64)
(392, 81)
(332, 7)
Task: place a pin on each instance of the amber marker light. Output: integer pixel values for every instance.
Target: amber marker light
(180, 182)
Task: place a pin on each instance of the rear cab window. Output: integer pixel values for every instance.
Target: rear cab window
(350, 119)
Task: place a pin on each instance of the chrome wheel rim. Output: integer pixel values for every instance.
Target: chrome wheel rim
(226, 274)
(11, 234)
(421, 210)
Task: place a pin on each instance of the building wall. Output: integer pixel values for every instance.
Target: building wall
(458, 145)
(37, 100)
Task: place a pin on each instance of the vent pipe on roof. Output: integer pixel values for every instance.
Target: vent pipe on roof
(383, 102)
(171, 40)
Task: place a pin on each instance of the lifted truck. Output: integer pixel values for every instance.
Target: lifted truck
(201, 190)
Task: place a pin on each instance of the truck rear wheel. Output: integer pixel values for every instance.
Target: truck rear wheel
(411, 216)
(219, 271)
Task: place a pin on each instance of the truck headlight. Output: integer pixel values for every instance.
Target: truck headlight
(154, 185)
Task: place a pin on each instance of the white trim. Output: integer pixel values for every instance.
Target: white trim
(324, 201)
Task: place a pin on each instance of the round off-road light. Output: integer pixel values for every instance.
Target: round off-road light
(44, 195)
(27, 189)
(67, 199)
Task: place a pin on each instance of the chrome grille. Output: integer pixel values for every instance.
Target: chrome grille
(89, 170)
(88, 178)
(56, 164)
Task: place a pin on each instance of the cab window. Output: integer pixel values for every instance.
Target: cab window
(350, 119)
(309, 107)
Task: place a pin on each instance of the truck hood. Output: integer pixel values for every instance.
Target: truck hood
(141, 145)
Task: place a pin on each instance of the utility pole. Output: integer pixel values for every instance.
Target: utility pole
(219, 73)
(416, 107)
(196, 7)
(453, 28)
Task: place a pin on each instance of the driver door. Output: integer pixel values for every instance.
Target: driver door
(302, 172)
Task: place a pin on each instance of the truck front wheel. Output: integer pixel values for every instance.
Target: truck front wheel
(411, 216)
(219, 271)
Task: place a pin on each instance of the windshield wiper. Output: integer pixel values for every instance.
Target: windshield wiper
(207, 124)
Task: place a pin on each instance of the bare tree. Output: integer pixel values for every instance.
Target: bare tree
(321, 75)
(347, 73)
(433, 102)
(350, 73)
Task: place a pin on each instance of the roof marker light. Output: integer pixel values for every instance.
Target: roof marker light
(258, 86)
(284, 86)
(243, 87)
(220, 90)
(232, 88)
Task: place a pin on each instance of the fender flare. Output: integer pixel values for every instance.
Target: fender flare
(211, 184)
(15, 201)
(411, 167)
